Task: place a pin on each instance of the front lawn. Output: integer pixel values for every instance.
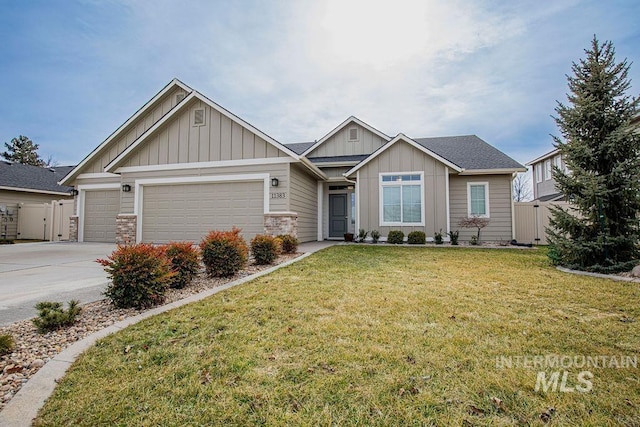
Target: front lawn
(372, 335)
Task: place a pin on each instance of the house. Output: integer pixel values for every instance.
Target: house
(183, 165)
(544, 186)
(20, 184)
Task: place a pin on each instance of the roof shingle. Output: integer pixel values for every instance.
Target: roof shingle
(29, 177)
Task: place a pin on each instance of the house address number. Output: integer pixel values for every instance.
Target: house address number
(282, 195)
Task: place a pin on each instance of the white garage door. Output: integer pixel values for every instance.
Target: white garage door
(101, 208)
(190, 211)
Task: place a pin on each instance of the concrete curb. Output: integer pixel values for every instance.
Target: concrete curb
(24, 406)
(599, 275)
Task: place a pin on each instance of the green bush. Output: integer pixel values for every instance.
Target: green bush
(416, 238)
(437, 237)
(140, 275)
(6, 242)
(288, 243)
(453, 236)
(474, 240)
(224, 253)
(6, 344)
(185, 263)
(264, 249)
(395, 237)
(375, 236)
(362, 235)
(52, 316)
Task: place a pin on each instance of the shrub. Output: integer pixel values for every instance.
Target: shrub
(264, 249)
(474, 240)
(6, 242)
(224, 253)
(416, 238)
(375, 236)
(437, 237)
(52, 316)
(453, 235)
(395, 237)
(362, 235)
(288, 244)
(6, 344)
(185, 263)
(139, 275)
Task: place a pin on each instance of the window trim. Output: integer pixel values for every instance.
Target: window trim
(357, 138)
(195, 113)
(539, 168)
(382, 184)
(486, 199)
(547, 169)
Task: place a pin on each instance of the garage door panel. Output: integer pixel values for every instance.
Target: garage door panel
(190, 211)
(100, 211)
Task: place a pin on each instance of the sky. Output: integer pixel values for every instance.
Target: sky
(73, 71)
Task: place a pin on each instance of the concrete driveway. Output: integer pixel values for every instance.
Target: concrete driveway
(49, 271)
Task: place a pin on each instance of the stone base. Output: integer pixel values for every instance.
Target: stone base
(276, 223)
(126, 229)
(73, 228)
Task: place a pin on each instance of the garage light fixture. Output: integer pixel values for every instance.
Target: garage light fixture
(73, 192)
(274, 182)
(126, 188)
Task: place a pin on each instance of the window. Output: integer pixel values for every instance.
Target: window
(401, 199)
(478, 199)
(538, 168)
(547, 169)
(198, 117)
(353, 134)
(557, 162)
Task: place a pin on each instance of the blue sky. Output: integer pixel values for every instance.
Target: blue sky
(73, 71)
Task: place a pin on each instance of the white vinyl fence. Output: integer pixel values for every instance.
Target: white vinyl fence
(531, 219)
(45, 221)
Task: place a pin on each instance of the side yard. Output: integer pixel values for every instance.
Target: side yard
(372, 335)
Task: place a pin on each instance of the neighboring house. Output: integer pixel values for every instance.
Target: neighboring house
(20, 184)
(183, 165)
(544, 185)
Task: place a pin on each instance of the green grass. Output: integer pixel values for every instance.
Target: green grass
(367, 335)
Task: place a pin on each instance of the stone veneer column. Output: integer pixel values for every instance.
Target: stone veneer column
(73, 228)
(126, 229)
(276, 223)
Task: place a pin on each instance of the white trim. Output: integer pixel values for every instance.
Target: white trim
(340, 127)
(538, 169)
(446, 186)
(336, 164)
(99, 175)
(200, 165)
(320, 196)
(313, 168)
(547, 169)
(502, 171)
(30, 190)
(169, 87)
(486, 198)
(141, 183)
(357, 201)
(513, 217)
(81, 202)
(409, 141)
(382, 184)
(543, 157)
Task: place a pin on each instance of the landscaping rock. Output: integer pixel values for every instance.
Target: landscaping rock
(636, 271)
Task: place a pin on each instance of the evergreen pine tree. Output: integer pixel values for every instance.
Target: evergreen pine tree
(601, 151)
(23, 150)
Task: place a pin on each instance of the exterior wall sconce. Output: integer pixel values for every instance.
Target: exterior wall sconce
(126, 188)
(274, 182)
(74, 192)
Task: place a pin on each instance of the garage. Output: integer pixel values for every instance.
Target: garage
(189, 211)
(101, 207)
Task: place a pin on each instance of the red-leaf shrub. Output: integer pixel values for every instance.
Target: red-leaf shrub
(139, 275)
(288, 243)
(264, 249)
(224, 253)
(185, 262)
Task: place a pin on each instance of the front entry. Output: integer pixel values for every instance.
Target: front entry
(338, 216)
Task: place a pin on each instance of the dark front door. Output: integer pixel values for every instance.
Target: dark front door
(337, 215)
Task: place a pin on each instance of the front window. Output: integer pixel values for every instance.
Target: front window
(478, 199)
(547, 169)
(538, 168)
(401, 199)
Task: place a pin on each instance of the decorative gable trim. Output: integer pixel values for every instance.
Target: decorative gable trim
(170, 86)
(402, 137)
(351, 119)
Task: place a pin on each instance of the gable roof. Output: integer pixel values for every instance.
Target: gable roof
(146, 107)
(299, 147)
(470, 153)
(19, 177)
(413, 143)
(195, 95)
(351, 119)
(543, 157)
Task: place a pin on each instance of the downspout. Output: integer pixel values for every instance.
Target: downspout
(513, 207)
(446, 186)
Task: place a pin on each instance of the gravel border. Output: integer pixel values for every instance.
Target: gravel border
(33, 350)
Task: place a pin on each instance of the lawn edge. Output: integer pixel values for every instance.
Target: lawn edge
(23, 408)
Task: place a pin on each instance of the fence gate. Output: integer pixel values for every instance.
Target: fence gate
(45, 221)
(531, 219)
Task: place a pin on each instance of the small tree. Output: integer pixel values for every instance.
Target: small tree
(521, 188)
(601, 151)
(23, 150)
(474, 222)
